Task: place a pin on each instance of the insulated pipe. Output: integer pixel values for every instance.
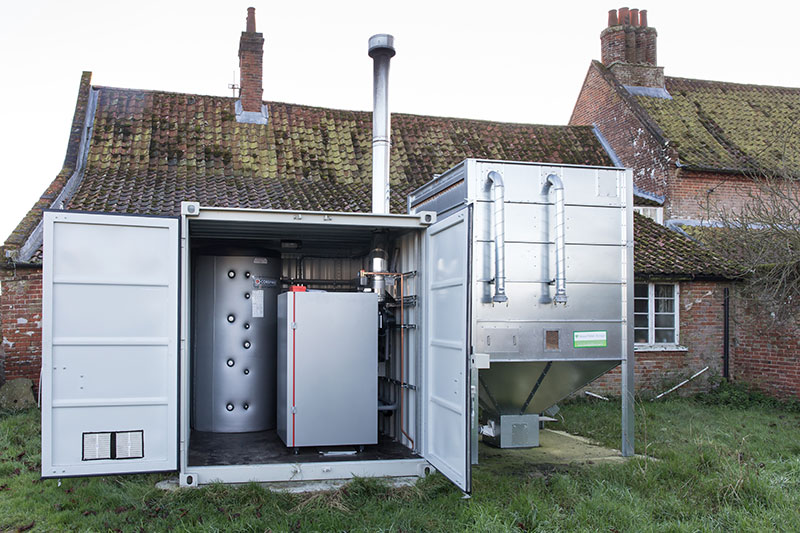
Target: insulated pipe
(498, 210)
(381, 50)
(557, 185)
(378, 262)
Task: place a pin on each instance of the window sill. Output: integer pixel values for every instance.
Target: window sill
(659, 348)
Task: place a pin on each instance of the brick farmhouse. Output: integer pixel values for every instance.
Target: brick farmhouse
(145, 151)
(692, 145)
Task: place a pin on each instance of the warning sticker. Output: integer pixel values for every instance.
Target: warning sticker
(257, 297)
(589, 339)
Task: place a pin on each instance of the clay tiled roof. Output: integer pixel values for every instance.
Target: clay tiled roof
(151, 150)
(728, 126)
(660, 252)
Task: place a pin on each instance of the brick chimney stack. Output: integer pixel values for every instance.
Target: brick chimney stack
(251, 58)
(628, 48)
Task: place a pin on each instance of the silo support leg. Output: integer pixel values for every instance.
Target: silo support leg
(627, 406)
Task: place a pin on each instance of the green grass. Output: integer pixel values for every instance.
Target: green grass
(719, 468)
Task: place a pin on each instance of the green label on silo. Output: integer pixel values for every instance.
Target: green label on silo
(589, 339)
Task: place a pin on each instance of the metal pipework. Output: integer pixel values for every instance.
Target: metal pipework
(381, 50)
(378, 261)
(499, 226)
(555, 183)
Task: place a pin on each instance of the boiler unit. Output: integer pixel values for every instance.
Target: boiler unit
(327, 368)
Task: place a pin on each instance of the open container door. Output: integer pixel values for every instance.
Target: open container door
(109, 344)
(446, 401)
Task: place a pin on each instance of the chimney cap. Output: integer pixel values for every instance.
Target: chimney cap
(381, 43)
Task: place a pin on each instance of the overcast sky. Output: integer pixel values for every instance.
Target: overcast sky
(498, 60)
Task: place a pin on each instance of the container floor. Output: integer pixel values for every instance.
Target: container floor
(265, 447)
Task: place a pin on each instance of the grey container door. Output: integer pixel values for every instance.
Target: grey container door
(446, 361)
(109, 344)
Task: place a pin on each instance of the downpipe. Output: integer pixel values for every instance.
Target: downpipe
(554, 182)
(499, 226)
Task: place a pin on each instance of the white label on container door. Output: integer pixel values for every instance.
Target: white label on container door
(257, 297)
(260, 260)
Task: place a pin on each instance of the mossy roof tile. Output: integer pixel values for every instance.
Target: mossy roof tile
(660, 252)
(151, 150)
(729, 126)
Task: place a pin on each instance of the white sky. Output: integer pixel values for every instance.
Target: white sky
(500, 60)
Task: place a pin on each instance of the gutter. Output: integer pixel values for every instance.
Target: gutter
(34, 240)
(607, 147)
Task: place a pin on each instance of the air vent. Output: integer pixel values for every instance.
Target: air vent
(129, 445)
(96, 446)
(113, 445)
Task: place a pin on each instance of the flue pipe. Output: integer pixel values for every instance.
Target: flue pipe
(499, 224)
(554, 182)
(381, 50)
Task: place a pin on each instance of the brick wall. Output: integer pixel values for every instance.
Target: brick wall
(599, 104)
(21, 317)
(701, 331)
(691, 192)
(766, 352)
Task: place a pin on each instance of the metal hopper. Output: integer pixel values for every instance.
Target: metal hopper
(550, 278)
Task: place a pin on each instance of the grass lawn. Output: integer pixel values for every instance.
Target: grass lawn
(719, 468)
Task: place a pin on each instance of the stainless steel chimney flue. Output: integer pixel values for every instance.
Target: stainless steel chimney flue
(381, 50)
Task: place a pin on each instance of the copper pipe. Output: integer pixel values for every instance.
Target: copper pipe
(402, 348)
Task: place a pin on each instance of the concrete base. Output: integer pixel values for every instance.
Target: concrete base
(298, 487)
(555, 448)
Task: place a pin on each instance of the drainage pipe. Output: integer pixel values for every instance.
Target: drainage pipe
(499, 225)
(679, 385)
(554, 182)
(381, 50)
(726, 334)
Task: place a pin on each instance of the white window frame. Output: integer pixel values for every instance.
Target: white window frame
(652, 212)
(651, 345)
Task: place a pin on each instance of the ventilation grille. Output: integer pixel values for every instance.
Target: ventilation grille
(113, 445)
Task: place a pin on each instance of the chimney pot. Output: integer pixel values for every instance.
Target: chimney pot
(634, 17)
(624, 16)
(612, 18)
(251, 20)
(643, 18)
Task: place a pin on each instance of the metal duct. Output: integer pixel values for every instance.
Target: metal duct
(499, 225)
(378, 261)
(381, 50)
(557, 185)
